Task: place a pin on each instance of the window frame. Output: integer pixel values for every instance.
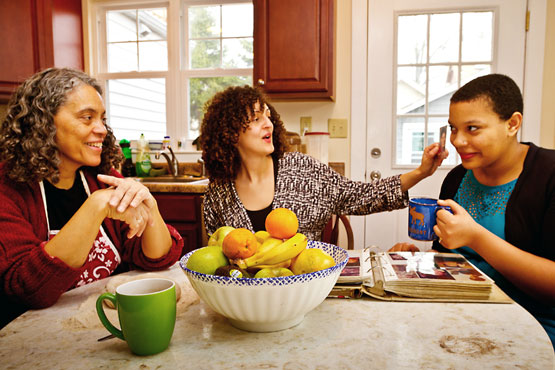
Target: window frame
(185, 72)
(426, 116)
(177, 75)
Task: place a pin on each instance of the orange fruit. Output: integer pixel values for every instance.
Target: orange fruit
(239, 243)
(282, 223)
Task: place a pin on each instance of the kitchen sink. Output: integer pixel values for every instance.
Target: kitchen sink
(170, 178)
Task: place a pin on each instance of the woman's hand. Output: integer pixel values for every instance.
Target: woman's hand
(457, 229)
(127, 193)
(431, 159)
(138, 218)
(404, 247)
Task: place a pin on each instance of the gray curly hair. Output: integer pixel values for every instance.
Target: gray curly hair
(27, 135)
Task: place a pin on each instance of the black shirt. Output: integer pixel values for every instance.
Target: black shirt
(62, 204)
(258, 218)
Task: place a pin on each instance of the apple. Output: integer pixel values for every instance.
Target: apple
(206, 260)
(273, 272)
(218, 237)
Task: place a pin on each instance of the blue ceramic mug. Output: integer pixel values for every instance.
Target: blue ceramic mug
(422, 218)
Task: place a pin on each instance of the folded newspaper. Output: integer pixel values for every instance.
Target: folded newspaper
(408, 276)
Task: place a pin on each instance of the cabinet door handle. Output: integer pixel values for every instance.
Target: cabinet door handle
(261, 81)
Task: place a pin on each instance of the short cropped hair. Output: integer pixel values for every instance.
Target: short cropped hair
(227, 115)
(499, 90)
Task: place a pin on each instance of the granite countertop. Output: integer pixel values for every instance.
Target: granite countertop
(338, 334)
(178, 187)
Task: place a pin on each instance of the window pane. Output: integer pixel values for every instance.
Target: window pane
(411, 89)
(470, 72)
(204, 21)
(205, 54)
(411, 47)
(122, 57)
(121, 25)
(238, 53)
(434, 125)
(410, 140)
(444, 37)
(137, 106)
(153, 56)
(441, 85)
(153, 24)
(201, 90)
(477, 36)
(237, 20)
(123, 39)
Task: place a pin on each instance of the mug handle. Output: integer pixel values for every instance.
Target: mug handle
(102, 316)
(447, 208)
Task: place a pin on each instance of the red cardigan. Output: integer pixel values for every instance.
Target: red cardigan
(32, 277)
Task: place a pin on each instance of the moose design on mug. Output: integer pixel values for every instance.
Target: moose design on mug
(416, 216)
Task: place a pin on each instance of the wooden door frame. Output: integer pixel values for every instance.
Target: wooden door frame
(532, 91)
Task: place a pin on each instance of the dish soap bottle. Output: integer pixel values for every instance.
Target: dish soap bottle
(127, 168)
(143, 164)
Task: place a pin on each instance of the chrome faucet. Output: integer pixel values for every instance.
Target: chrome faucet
(173, 164)
(203, 169)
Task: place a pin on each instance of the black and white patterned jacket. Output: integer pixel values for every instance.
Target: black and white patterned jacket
(312, 190)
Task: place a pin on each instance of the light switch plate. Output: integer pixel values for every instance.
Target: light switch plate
(337, 127)
(306, 123)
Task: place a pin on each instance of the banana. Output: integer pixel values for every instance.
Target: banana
(285, 264)
(268, 244)
(277, 254)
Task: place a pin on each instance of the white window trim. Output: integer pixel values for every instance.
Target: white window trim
(177, 75)
(426, 116)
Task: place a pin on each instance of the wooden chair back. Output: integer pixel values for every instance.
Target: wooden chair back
(331, 231)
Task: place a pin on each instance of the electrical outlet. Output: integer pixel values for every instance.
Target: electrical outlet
(337, 127)
(306, 124)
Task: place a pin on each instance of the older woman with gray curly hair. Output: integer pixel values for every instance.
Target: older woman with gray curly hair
(68, 217)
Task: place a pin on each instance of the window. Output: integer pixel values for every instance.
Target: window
(436, 53)
(219, 53)
(161, 62)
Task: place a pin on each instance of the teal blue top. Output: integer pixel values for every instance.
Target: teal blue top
(486, 205)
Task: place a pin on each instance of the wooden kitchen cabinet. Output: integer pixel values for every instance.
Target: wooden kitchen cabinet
(182, 211)
(294, 48)
(37, 34)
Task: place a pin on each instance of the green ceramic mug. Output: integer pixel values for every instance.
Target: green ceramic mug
(146, 311)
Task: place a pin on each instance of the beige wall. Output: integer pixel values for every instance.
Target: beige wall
(547, 133)
(320, 111)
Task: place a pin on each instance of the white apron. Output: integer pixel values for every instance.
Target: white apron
(103, 256)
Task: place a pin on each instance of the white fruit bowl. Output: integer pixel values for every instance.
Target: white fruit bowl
(267, 304)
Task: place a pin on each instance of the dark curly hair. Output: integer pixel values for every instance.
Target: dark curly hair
(27, 135)
(499, 90)
(228, 114)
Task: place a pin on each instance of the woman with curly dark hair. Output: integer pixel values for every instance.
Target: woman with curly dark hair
(244, 150)
(68, 217)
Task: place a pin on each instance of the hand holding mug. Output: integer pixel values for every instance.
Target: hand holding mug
(146, 312)
(456, 229)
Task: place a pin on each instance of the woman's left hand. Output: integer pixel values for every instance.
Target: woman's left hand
(432, 159)
(128, 193)
(456, 229)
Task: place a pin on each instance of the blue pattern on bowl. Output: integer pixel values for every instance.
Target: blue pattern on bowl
(339, 254)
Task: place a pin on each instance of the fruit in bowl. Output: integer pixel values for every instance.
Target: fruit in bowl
(268, 303)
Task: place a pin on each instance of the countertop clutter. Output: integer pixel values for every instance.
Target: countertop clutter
(339, 333)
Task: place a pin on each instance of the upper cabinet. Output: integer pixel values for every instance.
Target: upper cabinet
(37, 34)
(294, 48)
